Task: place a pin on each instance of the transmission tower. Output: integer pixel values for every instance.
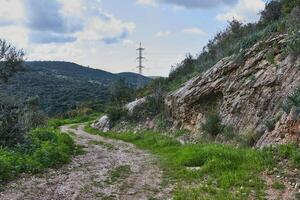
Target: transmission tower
(140, 58)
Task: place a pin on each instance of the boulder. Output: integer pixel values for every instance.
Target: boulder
(103, 124)
(134, 104)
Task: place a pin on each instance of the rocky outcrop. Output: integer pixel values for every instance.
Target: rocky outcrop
(103, 124)
(286, 130)
(134, 104)
(246, 94)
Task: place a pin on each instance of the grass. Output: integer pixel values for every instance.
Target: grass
(227, 166)
(119, 173)
(278, 185)
(45, 147)
(225, 172)
(57, 122)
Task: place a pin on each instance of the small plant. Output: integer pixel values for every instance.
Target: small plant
(293, 45)
(292, 101)
(270, 124)
(278, 185)
(249, 137)
(213, 124)
(270, 57)
(116, 112)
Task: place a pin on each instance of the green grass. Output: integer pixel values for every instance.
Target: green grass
(225, 172)
(45, 147)
(278, 185)
(57, 122)
(119, 173)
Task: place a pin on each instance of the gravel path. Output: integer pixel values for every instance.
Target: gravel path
(109, 169)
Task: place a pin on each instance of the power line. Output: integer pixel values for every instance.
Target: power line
(140, 58)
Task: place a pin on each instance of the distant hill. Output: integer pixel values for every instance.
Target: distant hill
(61, 85)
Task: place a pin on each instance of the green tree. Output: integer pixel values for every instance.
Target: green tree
(289, 5)
(11, 60)
(121, 92)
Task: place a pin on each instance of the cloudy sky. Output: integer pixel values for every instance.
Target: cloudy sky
(105, 33)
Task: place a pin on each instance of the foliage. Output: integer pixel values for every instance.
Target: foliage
(57, 122)
(249, 137)
(272, 12)
(293, 45)
(292, 101)
(116, 112)
(121, 92)
(63, 86)
(289, 5)
(290, 152)
(213, 124)
(16, 120)
(237, 37)
(45, 147)
(11, 60)
(225, 172)
(278, 185)
(270, 124)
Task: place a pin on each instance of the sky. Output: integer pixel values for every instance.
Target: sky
(104, 34)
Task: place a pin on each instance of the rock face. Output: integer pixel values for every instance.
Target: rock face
(246, 94)
(103, 124)
(134, 104)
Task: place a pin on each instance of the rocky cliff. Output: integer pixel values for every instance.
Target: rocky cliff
(247, 90)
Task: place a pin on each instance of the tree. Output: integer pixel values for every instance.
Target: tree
(11, 60)
(120, 92)
(272, 12)
(289, 5)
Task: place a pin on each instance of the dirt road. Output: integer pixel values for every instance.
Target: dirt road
(109, 169)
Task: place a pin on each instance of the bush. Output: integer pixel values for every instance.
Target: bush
(292, 101)
(44, 147)
(293, 45)
(272, 12)
(213, 124)
(289, 5)
(116, 112)
(249, 137)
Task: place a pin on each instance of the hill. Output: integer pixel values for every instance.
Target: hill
(62, 85)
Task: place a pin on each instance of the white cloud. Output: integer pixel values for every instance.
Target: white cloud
(194, 30)
(11, 11)
(162, 34)
(147, 2)
(245, 10)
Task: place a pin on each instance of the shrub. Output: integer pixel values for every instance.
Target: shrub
(162, 121)
(270, 124)
(213, 124)
(44, 147)
(116, 112)
(272, 12)
(289, 5)
(249, 137)
(292, 101)
(293, 45)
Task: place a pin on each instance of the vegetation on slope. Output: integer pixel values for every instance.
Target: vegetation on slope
(61, 86)
(43, 148)
(211, 171)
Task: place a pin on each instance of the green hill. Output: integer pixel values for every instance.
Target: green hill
(62, 85)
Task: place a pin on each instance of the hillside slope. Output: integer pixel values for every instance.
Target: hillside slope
(247, 95)
(61, 85)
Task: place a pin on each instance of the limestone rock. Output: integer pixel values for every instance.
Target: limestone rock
(134, 104)
(246, 95)
(103, 124)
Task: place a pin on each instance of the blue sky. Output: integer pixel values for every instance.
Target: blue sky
(105, 33)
